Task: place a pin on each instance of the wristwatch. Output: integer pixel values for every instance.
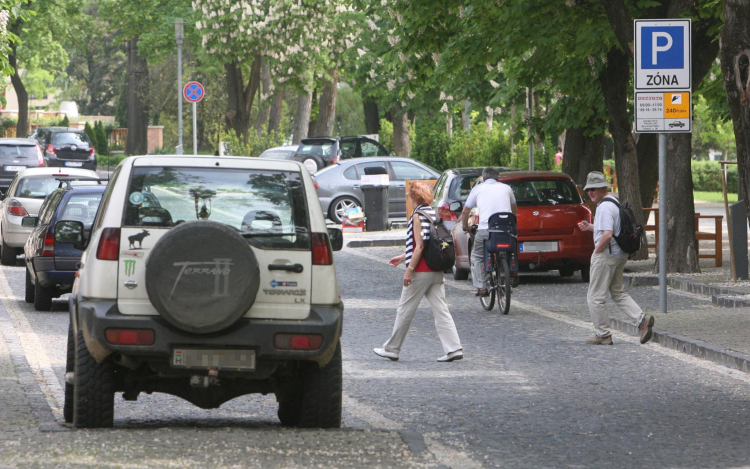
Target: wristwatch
(410, 268)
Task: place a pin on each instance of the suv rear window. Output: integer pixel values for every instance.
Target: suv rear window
(268, 208)
(69, 138)
(14, 151)
(544, 192)
(312, 147)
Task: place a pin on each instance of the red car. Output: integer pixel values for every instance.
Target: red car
(549, 210)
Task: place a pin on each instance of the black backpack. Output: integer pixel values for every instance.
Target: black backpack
(439, 253)
(631, 235)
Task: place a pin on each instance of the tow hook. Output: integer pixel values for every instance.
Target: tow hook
(205, 381)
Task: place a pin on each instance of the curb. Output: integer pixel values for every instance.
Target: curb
(694, 347)
(724, 297)
(375, 243)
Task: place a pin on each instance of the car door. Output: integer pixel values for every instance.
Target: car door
(403, 170)
(35, 243)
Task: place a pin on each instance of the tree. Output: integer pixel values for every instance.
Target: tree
(11, 11)
(102, 144)
(89, 131)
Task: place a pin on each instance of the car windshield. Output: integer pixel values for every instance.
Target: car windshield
(82, 207)
(70, 138)
(41, 187)
(266, 207)
(322, 148)
(544, 192)
(15, 151)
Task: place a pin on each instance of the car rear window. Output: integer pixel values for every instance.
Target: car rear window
(69, 138)
(42, 186)
(278, 155)
(82, 207)
(462, 185)
(15, 151)
(268, 208)
(321, 148)
(544, 192)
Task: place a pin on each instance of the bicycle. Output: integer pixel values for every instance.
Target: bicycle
(500, 259)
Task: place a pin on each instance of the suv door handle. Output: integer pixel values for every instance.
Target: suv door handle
(296, 268)
(355, 186)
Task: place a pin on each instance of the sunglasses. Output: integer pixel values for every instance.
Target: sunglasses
(590, 190)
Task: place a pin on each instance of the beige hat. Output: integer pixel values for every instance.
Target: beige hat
(595, 180)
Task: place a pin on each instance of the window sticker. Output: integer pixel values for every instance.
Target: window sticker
(136, 198)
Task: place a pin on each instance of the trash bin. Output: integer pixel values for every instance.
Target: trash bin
(374, 185)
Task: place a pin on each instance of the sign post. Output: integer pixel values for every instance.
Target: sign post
(194, 92)
(663, 102)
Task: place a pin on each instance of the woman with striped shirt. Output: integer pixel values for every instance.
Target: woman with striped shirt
(421, 281)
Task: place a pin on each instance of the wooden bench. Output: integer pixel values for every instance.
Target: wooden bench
(716, 236)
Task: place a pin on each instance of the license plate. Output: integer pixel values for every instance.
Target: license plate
(222, 359)
(73, 164)
(539, 246)
(14, 168)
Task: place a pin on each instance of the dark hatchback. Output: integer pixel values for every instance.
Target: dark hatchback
(63, 146)
(17, 154)
(319, 152)
(51, 261)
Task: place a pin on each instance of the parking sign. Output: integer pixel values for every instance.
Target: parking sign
(662, 55)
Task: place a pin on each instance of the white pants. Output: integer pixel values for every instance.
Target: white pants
(430, 285)
(606, 276)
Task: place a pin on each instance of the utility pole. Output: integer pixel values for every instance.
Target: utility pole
(179, 34)
(530, 114)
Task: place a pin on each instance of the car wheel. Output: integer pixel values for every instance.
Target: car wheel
(29, 288)
(321, 394)
(460, 274)
(312, 163)
(43, 297)
(8, 255)
(585, 271)
(94, 390)
(340, 206)
(70, 365)
(567, 272)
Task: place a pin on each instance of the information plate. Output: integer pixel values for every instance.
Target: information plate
(666, 112)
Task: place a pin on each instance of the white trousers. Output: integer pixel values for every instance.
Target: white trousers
(430, 285)
(606, 277)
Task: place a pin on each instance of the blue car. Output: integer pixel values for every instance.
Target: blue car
(51, 265)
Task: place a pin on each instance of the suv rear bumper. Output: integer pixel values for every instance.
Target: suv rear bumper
(256, 334)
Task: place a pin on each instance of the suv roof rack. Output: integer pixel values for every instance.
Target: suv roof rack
(71, 179)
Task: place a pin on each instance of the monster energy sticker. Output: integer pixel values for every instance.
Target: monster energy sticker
(129, 267)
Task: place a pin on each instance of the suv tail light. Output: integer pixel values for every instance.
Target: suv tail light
(49, 246)
(130, 336)
(297, 341)
(109, 245)
(15, 208)
(322, 254)
(39, 155)
(51, 149)
(92, 152)
(584, 214)
(445, 212)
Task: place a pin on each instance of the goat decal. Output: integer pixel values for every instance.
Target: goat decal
(138, 238)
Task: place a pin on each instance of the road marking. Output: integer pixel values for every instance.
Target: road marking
(706, 365)
(356, 371)
(36, 353)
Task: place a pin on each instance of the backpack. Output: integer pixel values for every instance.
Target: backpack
(631, 235)
(439, 253)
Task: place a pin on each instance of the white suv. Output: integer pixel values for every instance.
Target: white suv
(207, 278)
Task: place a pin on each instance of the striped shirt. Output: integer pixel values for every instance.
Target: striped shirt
(425, 229)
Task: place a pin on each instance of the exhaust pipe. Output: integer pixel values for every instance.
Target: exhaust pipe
(126, 361)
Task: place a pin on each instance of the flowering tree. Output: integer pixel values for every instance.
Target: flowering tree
(10, 11)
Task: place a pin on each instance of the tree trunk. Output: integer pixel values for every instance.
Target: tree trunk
(372, 117)
(22, 126)
(277, 106)
(681, 249)
(327, 106)
(265, 110)
(490, 117)
(136, 142)
(401, 142)
(449, 125)
(302, 121)
(735, 65)
(648, 166)
(582, 154)
(240, 96)
(615, 80)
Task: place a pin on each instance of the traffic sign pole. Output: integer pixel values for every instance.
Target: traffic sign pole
(662, 223)
(195, 132)
(194, 92)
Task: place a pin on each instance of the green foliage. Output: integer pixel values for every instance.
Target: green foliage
(386, 134)
(716, 197)
(350, 115)
(102, 142)
(479, 148)
(255, 145)
(707, 177)
(431, 144)
(103, 161)
(90, 132)
(64, 122)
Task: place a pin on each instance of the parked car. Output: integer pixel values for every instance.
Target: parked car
(549, 210)
(225, 287)
(339, 187)
(280, 153)
(64, 146)
(319, 152)
(17, 154)
(51, 263)
(24, 197)
(454, 185)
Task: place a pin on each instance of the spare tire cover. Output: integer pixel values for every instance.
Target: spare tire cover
(202, 276)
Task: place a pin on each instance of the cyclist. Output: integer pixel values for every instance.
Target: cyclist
(490, 197)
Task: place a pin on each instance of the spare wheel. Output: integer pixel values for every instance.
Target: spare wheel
(202, 276)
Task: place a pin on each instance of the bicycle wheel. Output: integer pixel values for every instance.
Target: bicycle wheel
(489, 301)
(502, 270)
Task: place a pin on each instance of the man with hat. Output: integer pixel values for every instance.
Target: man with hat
(607, 265)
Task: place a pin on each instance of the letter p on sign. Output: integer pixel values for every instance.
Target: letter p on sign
(656, 47)
(663, 48)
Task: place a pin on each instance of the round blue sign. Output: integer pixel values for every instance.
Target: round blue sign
(193, 91)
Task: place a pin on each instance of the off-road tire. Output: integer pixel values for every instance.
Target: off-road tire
(7, 255)
(94, 393)
(29, 288)
(319, 164)
(321, 394)
(43, 297)
(70, 365)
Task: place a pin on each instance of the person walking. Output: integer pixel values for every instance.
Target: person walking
(607, 265)
(421, 281)
(490, 197)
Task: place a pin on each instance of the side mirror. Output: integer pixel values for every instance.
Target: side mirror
(29, 222)
(2, 195)
(337, 238)
(455, 206)
(68, 231)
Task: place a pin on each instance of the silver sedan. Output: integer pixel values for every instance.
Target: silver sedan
(339, 188)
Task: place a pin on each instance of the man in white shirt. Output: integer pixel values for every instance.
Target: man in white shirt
(607, 265)
(490, 197)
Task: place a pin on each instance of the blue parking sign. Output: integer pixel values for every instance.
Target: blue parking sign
(662, 55)
(663, 47)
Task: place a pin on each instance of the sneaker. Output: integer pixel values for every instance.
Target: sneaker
(645, 328)
(386, 354)
(449, 357)
(598, 340)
